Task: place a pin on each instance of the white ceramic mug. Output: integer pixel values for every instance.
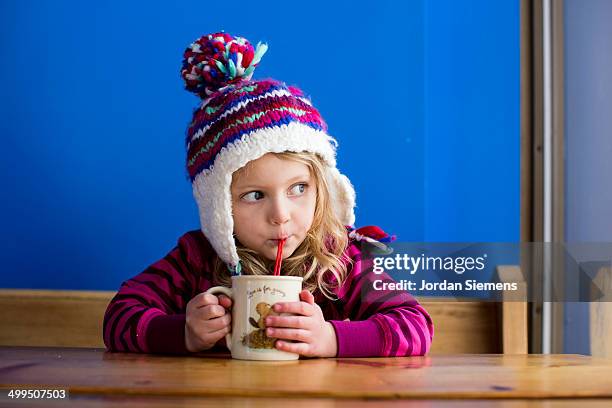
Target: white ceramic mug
(252, 299)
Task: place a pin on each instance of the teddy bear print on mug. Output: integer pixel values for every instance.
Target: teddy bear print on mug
(258, 338)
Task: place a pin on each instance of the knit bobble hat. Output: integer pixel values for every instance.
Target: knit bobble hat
(240, 120)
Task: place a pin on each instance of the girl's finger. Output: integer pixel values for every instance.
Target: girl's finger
(297, 348)
(215, 335)
(225, 301)
(301, 308)
(204, 299)
(290, 334)
(210, 312)
(218, 323)
(296, 322)
(307, 297)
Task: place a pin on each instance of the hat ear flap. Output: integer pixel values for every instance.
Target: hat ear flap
(342, 196)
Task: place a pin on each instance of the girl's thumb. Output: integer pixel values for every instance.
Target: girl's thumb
(307, 297)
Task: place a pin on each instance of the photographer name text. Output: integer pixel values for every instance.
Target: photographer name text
(413, 264)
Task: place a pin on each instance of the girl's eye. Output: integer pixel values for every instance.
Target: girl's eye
(252, 196)
(298, 189)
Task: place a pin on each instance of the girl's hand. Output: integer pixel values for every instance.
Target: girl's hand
(315, 337)
(207, 321)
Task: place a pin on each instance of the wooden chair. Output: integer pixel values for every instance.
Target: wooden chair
(601, 315)
(54, 318)
(479, 326)
(74, 319)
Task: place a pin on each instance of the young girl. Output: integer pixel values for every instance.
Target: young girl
(263, 169)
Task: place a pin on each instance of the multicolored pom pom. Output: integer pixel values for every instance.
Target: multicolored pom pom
(216, 60)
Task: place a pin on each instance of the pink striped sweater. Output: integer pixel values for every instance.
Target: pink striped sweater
(148, 313)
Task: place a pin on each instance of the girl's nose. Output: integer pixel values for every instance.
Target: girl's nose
(280, 211)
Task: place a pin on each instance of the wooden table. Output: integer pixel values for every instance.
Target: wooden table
(94, 377)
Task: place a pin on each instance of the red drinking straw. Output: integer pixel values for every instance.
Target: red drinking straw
(279, 257)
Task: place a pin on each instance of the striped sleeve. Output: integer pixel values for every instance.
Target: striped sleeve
(378, 323)
(147, 314)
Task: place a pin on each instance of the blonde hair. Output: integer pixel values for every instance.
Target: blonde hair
(320, 258)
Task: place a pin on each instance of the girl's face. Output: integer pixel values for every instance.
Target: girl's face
(273, 199)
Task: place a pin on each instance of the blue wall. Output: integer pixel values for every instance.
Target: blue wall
(472, 121)
(422, 96)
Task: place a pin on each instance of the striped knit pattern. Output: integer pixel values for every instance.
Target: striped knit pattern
(216, 60)
(239, 110)
(148, 313)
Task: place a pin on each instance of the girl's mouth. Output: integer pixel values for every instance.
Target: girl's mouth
(277, 241)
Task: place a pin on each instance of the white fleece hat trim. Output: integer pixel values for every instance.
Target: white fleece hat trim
(211, 188)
